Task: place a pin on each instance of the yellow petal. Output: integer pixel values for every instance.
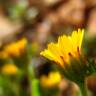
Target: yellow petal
(53, 53)
(81, 35)
(66, 48)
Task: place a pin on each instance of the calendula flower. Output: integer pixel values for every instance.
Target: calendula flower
(51, 80)
(66, 47)
(15, 49)
(9, 69)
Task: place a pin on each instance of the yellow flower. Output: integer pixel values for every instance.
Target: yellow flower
(15, 49)
(9, 69)
(51, 80)
(65, 48)
(3, 55)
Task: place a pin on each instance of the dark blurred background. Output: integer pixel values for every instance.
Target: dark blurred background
(42, 21)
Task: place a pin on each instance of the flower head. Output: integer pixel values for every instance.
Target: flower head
(66, 47)
(9, 69)
(48, 81)
(14, 49)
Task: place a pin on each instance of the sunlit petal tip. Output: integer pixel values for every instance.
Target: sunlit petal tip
(42, 53)
(83, 31)
(80, 30)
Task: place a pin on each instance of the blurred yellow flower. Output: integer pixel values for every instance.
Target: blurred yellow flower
(15, 49)
(51, 80)
(65, 48)
(3, 55)
(9, 69)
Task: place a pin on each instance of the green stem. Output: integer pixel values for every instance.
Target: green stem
(35, 87)
(83, 89)
(34, 83)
